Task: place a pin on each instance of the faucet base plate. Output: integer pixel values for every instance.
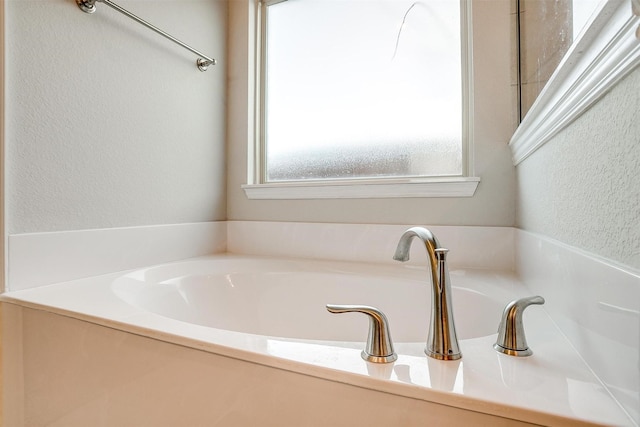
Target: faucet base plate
(379, 359)
(440, 356)
(513, 352)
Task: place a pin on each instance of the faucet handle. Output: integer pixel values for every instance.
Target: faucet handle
(379, 348)
(511, 339)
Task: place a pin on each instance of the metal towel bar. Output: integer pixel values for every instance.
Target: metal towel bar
(89, 6)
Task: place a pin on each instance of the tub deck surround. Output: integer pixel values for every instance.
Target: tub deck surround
(68, 255)
(596, 305)
(552, 387)
(124, 379)
(489, 248)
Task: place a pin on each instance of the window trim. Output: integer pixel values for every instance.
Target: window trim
(365, 189)
(463, 185)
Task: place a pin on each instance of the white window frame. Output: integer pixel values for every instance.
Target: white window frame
(463, 185)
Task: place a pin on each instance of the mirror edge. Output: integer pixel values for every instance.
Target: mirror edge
(606, 51)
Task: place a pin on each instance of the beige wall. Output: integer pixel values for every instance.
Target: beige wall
(583, 187)
(494, 201)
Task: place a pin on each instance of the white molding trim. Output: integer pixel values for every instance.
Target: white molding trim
(433, 187)
(607, 51)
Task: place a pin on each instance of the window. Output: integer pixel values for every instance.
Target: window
(357, 92)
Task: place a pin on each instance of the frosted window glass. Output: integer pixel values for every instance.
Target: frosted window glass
(362, 89)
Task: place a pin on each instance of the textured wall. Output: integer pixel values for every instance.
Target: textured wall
(583, 187)
(107, 123)
(494, 201)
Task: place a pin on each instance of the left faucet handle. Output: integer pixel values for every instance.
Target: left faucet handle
(379, 348)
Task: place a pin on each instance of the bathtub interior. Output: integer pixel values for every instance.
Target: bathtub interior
(287, 298)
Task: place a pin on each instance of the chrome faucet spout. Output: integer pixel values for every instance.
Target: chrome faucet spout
(442, 341)
(430, 242)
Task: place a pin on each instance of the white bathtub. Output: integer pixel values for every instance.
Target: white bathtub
(287, 298)
(271, 311)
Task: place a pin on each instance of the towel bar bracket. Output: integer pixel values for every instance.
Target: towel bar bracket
(89, 6)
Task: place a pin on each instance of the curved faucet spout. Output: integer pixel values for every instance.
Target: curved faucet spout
(442, 342)
(430, 242)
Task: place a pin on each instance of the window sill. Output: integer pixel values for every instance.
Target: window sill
(369, 189)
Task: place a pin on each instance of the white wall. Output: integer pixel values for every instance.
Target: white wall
(583, 187)
(107, 123)
(494, 201)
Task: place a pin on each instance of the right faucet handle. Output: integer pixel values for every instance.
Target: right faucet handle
(511, 339)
